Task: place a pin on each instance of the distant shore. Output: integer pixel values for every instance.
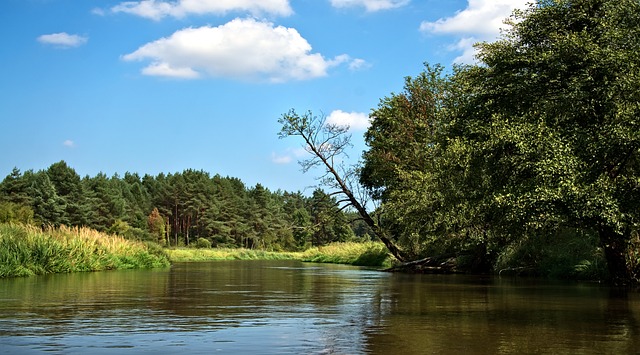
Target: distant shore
(27, 250)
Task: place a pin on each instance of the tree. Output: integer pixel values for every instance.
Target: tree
(401, 136)
(329, 223)
(48, 207)
(15, 187)
(70, 190)
(327, 143)
(543, 135)
(556, 107)
(406, 168)
(156, 225)
(13, 212)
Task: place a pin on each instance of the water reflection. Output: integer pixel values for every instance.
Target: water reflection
(454, 314)
(288, 307)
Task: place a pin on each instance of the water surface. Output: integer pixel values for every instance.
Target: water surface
(287, 307)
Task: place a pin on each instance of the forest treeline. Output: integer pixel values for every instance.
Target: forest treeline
(176, 209)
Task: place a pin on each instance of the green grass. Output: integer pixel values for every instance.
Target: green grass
(27, 250)
(361, 254)
(190, 254)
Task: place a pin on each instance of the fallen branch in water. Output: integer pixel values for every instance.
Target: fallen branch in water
(430, 265)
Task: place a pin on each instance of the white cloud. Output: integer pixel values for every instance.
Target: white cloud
(63, 40)
(69, 143)
(465, 45)
(480, 21)
(281, 159)
(370, 5)
(157, 9)
(98, 11)
(289, 156)
(359, 64)
(356, 121)
(241, 49)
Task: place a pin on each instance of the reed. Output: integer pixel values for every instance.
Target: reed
(28, 250)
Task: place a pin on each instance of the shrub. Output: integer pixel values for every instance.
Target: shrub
(203, 243)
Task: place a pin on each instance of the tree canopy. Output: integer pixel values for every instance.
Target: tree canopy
(541, 136)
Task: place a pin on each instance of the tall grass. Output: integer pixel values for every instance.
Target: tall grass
(361, 254)
(27, 250)
(190, 254)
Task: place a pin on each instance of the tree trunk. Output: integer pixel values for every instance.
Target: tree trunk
(615, 251)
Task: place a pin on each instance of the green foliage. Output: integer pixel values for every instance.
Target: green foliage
(203, 243)
(13, 212)
(567, 253)
(119, 227)
(171, 210)
(542, 137)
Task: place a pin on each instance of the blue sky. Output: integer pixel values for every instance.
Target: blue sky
(161, 86)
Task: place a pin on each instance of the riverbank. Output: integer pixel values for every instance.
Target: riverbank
(372, 254)
(27, 250)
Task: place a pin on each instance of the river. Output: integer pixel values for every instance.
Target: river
(288, 307)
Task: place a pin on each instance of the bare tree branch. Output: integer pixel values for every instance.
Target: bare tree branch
(327, 143)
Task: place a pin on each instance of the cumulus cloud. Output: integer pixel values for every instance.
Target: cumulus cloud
(63, 40)
(157, 9)
(370, 5)
(69, 143)
(241, 49)
(480, 21)
(356, 121)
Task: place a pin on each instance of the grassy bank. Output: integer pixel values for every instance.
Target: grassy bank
(361, 254)
(27, 250)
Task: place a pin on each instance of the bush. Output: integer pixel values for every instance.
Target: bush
(203, 243)
(566, 254)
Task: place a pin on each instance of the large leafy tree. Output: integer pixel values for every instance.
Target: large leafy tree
(401, 137)
(553, 117)
(543, 134)
(405, 165)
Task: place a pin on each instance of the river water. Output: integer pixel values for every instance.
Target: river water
(287, 307)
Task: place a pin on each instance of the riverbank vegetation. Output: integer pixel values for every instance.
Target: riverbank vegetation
(27, 250)
(372, 254)
(177, 209)
(529, 158)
